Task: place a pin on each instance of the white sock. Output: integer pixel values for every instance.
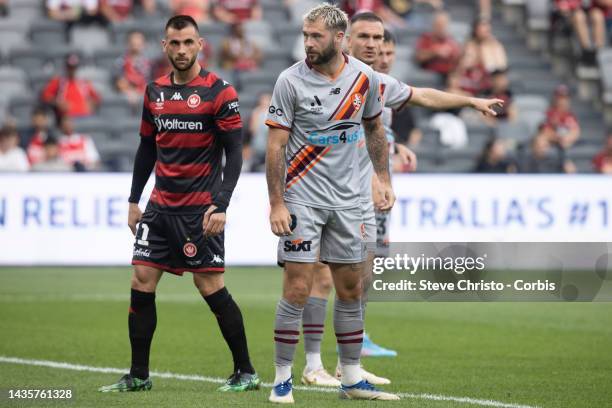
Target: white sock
(313, 361)
(351, 374)
(283, 373)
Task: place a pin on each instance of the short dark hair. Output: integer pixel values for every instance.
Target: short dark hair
(389, 37)
(366, 16)
(181, 21)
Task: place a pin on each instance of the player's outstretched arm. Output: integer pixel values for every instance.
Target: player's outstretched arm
(378, 150)
(146, 155)
(280, 219)
(439, 100)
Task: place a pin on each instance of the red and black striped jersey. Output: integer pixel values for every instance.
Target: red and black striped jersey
(187, 122)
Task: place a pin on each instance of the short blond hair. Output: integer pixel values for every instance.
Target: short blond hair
(333, 17)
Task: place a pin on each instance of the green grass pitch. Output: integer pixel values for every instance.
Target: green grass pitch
(532, 354)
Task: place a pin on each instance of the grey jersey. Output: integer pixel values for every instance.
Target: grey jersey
(395, 94)
(323, 116)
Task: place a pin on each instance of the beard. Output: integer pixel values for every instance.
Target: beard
(324, 56)
(187, 67)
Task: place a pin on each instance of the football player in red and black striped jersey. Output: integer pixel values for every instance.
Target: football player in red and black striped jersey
(190, 120)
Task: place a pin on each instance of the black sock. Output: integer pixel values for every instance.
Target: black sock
(230, 322)
(141, 322)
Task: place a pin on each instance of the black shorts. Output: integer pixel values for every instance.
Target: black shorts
(176, 243)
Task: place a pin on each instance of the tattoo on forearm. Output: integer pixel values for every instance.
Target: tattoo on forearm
(376, 143)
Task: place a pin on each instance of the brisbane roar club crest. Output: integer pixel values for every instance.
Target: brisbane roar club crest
(190, 250)
(193, 101)
(357, 101)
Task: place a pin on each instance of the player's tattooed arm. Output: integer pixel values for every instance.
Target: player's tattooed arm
(280, 219)
(378, 150)
(439, 100)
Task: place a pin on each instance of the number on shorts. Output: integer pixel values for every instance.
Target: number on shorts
(143, 229)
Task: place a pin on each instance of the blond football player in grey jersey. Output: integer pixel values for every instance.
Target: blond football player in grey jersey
(317, 110)
(364, 43)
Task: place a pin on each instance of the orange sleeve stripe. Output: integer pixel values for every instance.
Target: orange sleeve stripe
(275, 125)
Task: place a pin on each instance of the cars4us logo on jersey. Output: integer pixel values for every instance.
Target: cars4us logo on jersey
(194, 101)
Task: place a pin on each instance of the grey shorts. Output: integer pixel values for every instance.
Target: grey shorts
(369, 223)
(334, 236)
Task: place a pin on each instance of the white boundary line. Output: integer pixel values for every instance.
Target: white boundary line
(216, 380)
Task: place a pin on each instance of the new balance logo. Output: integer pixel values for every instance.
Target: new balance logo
(177, 97)
(335, 91)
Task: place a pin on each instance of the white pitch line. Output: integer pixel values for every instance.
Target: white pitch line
(217, 380)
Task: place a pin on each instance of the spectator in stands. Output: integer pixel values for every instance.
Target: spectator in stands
(500, 89)
(238, 53)
(494, 159)
(12, 157)
(4, 8)
(452, 128)
(37, 134)
(544, 157)
(437, 51)
(393, 12)
(470, 77)
(69, 95)
(51, 159)
(133, 69)
(602, 162)
(484, 8)
(237, 11)
(562, 127)
(76, 149)
(254, 151)
(484, 49)
(199, 10)
(115, 11)
(601, 15)
(572, 13)
(74, 11)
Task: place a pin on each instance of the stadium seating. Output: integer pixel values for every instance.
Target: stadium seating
(34, 47)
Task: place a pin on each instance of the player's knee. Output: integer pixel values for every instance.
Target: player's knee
(142, 283)
(207, 284)
(145, 279)
(297, 291)
(322, 283)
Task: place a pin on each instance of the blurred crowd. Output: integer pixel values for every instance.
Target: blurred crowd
(476, 66)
